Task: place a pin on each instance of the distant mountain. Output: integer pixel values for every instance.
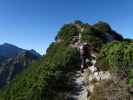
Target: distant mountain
(8, 50)
(14, 60)
(34, 52)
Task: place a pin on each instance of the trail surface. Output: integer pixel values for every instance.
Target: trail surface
(79, 91)
(80, 86)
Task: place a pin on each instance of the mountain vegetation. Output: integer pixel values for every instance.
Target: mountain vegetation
(38, 81)
(13, 61)
(117, 57)
(48, 77)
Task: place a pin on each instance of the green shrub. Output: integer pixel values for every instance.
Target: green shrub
(131, 82)
(38, 81)
(67, 32)
(47, 78)
(115, 56)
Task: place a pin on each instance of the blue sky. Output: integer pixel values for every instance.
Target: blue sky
(33, 24)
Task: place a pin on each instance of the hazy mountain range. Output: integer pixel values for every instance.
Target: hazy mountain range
(13, 60)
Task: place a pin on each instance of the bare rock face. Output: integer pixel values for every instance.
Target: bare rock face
(97, 75)
(100, 76)
(93, 76)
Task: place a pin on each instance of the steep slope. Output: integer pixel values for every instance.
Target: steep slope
(13, 60)
(96, 35)
(10, 67)
(49, 78)
(99, 34)
(38, 81)
(116, 58)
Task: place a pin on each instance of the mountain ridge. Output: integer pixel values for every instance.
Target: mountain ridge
(14, 60)
(49, 78)
(8, 50)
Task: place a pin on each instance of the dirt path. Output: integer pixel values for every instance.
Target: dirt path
(79, 91)
(80, 86)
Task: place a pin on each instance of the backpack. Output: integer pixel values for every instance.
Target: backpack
(84, 50)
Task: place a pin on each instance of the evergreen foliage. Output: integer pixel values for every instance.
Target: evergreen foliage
(103, 27)
(47, 78)
(93, 37)
(118, 57)
(35, 82)
(67, 32)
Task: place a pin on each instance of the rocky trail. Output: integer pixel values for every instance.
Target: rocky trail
(80, 86)
(79, 91)
(81, 82)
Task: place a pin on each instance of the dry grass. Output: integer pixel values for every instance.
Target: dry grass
(108, 90)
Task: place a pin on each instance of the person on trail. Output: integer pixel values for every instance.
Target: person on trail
(85, 54)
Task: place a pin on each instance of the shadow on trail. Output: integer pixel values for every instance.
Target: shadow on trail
(77, 84)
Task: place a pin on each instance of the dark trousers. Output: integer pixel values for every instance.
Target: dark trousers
(83, 61)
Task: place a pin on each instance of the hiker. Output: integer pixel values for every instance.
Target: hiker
(85, 54)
